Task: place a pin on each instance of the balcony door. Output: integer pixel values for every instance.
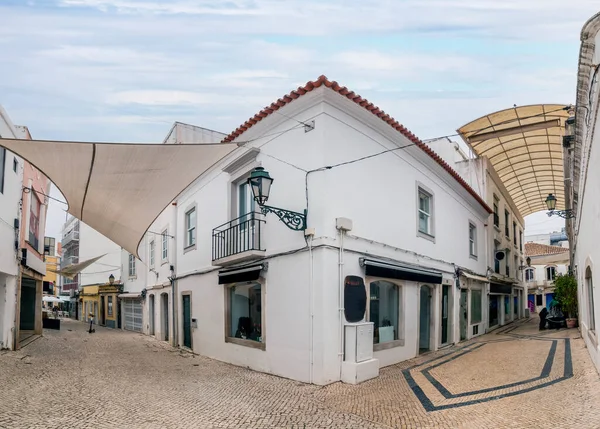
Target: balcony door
(246, 203)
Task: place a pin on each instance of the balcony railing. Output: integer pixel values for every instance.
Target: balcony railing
(238, 239)
(69, 260)
(71, 236)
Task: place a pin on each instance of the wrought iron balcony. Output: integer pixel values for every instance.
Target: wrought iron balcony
(238, 240)
(69, 260)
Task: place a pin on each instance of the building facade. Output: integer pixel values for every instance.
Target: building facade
(545, 263)
(505, 293)
(11, 183)
(582, 187)
(251, 291)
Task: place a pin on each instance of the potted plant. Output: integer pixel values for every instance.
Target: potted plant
(565, 292)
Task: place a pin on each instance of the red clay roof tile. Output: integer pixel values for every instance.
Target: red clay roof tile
(536, 249)
(322, 80)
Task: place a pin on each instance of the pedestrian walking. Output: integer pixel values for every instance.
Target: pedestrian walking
(92, 323)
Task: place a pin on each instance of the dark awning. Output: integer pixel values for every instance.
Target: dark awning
(378, 268)
(504, 288)
(244, 274)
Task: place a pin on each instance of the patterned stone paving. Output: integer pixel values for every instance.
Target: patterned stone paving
(515, 378)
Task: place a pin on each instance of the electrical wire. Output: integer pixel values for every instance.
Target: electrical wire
(28, 189)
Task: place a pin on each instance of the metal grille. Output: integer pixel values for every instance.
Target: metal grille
(237, 236)
(132, 312)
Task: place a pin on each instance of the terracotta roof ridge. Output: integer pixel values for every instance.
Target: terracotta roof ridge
(363, 102)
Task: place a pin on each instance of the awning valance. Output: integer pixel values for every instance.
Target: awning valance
(243, 274)
(130, 295)
(119, 189)
(378, 268)
(474, 277)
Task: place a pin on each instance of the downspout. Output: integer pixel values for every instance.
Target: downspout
(174, 293)
(341, 301)
(311, 311)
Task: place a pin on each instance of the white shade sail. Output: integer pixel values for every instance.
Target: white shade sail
(72, 270)
(119, 189)
(51, 299)
(524, 144)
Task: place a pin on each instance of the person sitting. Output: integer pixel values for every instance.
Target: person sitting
(543, 315)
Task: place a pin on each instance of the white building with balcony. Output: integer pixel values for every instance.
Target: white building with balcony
(392, 236)
(11, 182)
(545, 262)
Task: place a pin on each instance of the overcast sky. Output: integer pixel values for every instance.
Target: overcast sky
(125, 70)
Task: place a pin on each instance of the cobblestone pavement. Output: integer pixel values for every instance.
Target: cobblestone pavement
(514, 378)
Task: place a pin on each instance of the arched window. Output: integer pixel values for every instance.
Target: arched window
(384, 311)
(550, 273)
(530, 274)
(589, 285)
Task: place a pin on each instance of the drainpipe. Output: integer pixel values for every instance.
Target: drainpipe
(174, 293)
(341, 300)
(311, 311)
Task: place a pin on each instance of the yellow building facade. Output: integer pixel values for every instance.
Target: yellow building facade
(101, 301)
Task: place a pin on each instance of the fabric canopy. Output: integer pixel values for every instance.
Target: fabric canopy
(119, 189)
(51, 299)
(524, 144)
(72, 270)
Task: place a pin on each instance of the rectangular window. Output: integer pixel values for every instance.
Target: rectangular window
(550, 273)
(521, 240)
(15, 164)
(507, 223)
(507, 263)
(538, 300)
(152, 253)
(34, 221)
(425, 206)
(496, 261)
(2, 167)
(245, 312)
(529, 274)
(496, 212)
(384, 308)
(110, 305)
(515, 233)
(165, 245)
(190, 226)
(472, 240)
(516, 265)
(131, 265)
(475, 306)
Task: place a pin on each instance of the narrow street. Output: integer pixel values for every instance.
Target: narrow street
(515, 378)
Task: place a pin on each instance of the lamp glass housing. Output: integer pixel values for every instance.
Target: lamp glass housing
(111, 279)
(551, 202)
(260, 183)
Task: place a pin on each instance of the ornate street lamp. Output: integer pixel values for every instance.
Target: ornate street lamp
(260, 183)
(551, 204)
(111, 279)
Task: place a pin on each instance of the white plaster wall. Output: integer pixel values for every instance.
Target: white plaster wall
(9, 211)
(91, 245)
(587, 251)
(139, 281)
(159, 314)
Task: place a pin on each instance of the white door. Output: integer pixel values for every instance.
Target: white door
(133, 314)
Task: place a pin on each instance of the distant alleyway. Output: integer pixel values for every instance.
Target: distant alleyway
(517, 378)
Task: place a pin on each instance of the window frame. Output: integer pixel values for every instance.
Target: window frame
(507, 262)
(35, 241)
(547, 269)
(496, 207)
(132, 269)
(532, 271)
(430, 234)
(507, 223)
(473, 241)
(164, 245)
(589, 288)
(263, 297)
(401, 313)
(515, 233)
(109, 305)
(190, 228)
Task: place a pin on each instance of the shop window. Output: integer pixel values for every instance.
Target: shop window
(110, 305)
(245, 313)
(355, 299)
(384, 309)
(476, 306)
